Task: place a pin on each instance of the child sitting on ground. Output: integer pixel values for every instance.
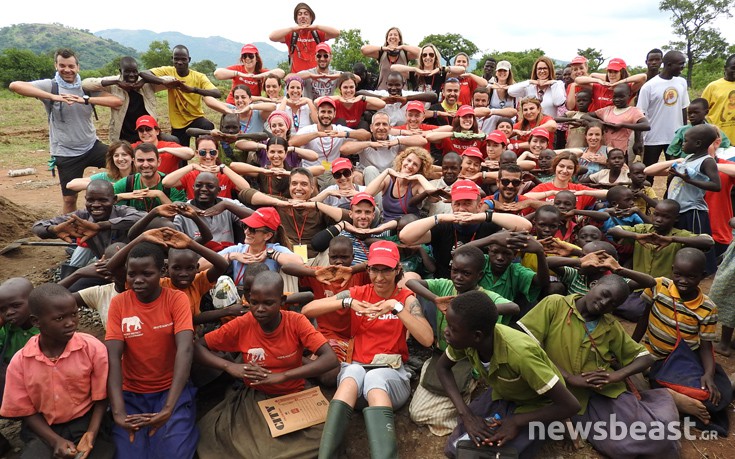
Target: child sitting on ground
(587, 234)
(58, 383)
(622, 213)
(677, 307)
(615, 173)
(573, 218)
(526, 385)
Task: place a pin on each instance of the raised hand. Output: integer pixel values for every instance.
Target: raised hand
(66, 230)
(167, 210)
(442, 302)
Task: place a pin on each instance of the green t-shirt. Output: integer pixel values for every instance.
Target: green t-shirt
(146, 204)
(651, 260)
(516, 280)
(16, 338)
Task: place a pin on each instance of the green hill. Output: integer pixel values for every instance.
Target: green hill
(94, 52)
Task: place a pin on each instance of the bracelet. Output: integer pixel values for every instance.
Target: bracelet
(347, 134)
(436, 114)
(316, 205)
(489, 216)
(484, 175)
(346, 303)
(436, 220)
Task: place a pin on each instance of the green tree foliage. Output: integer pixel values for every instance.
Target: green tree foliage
(24, 65)
(692, 20)
(112, 67)
(285, 66)
(521, 61)
(206, 66)
(158, 55)
(594, 58)
(346, 51)
(450, 44)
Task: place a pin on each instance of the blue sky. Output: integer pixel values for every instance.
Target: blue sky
(624, 28)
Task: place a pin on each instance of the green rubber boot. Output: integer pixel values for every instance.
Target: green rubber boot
(381, 432)
(338, 418)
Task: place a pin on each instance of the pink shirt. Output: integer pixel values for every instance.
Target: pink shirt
(618, 138)
(62, 390)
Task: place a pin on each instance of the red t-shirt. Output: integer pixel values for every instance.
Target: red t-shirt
(351, 114)
(303, 57)
(384, 335)
(720, 205)
(254, 84)
(335, 325)
(226, 187)
(460, 145)
(467, 86)
(602, 96)
(278, 351)
(196, 290)
(525, 138)
(169, 162)
(583, 202)
(148, 331)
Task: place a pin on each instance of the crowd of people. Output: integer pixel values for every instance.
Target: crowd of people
(333, 223)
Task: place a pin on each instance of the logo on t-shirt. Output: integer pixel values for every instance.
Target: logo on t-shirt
(256, 354)
(131, 326)
(671, 96)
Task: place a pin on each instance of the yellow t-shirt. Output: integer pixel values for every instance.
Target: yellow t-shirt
(184, 107)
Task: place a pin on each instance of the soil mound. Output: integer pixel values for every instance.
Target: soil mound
(15, 221)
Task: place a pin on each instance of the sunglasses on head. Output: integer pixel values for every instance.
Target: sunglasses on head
(207, 152)
(514, 182)
(144, 129)
(428, 55)
(248, 56)
(342, 173)
(322, 56)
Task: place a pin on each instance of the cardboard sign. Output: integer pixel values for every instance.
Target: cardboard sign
(293, 412)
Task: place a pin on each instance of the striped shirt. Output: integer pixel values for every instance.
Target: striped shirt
(697, 318)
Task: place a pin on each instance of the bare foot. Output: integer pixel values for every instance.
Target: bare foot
(723, 349)
(688, 405)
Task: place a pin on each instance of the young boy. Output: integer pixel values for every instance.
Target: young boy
(620, 120)
(547, 223)
(572, 218)
(435, 203)
(526, 385)
(645, 196)
(696, 113)
(428, 408)
(678, 307)
(577, 128)
(58, 382)
(587, 234)
(595, 355)
(622, 213)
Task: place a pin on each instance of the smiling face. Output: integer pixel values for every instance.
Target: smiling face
(300, 187)
(210, 159)
(68, 68)
(470, 165)
(182, 267)
(494, 150)
(428, 57)
(323, 59)
(146, 162)
(383, 277)
(122, 159)
(362, 214)
(272, 88)
(411, 164)
(687, 274)
(129, 71)
(564, 170)
(414, 118)
(395, 84)
(347, 89)
(578, 70)
(480, 99)
(380, 127)
(594, 137)
(542, 70)
(143, 277)
(181, 61)
(258, 237)
(99, 203)
(393, 38)
(450, 169)
(278, 127)
(502, 75)
(530, 111)
(451, 93)
(461, 61)
(466, 122)
(206, 188)
(613, 76)
(276, 155)
(325, 114)
(505, 128)
(148, 134)
(509, 184)
(294, 89)
(537, 144)
(242, 99)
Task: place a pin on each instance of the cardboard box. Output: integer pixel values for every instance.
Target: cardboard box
(293, 412)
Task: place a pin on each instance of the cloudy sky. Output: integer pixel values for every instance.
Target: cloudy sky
(624, 28)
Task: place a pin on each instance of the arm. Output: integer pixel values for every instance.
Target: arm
(80, 184)
(218, 262)
(297, 270)
(660, 169)
(379, 183)
(173, 180)
(60, 446)
(709, 168)
(707, 356)
(185, 153)
(239, 182)
(639, 280)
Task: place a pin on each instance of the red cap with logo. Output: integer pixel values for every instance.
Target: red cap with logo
(341, 164)
(579, 60)
(465, 189)
(323, 47)
(146, 120)
(384, 253)
(616, 64)
(498, 137)
(250, 49)
(326, 100)
(473, 152)
(465, 110)
(362, 196)
(264, 217)
(416, 105)
(540, 132)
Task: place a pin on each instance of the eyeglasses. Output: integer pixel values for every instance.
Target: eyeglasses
(514, 182)
(248, 56)
(428, 55)
(322, 56)
(380, 272)
(538, 69)
(207, 152)
(144, 129)
(339, 174)
(256, 230)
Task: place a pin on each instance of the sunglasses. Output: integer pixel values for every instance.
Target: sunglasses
(248, 56)
(256, 230)
(207, 152)
(344, 173)
(322, 56)
(295, 121)
(428, 55)
(514, 182)
(144, 129)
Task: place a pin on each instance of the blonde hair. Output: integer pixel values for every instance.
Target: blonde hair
(424, 156)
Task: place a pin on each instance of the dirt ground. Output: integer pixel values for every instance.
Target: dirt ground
(26, 199)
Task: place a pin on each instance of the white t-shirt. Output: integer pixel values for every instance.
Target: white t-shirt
(326, 147)
(99, 298)
(662, 101)
(381, 158)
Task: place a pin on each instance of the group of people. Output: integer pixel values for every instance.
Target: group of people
(334, 222)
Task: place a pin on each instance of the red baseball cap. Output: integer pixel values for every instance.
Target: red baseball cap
(465, 189)
(579, 60)
(249, 49)
(362, 196)
(323, 47)
(327, 100)
(465, 110)
(616, 64)
(341, 164)
(473, 152)
(384, 253)
(416, 105)
(146, 120)
(540, 132)
(498, 137)
(264, 217)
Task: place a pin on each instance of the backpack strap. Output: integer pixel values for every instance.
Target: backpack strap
(129, 183)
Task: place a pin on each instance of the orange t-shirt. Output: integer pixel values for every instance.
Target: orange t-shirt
(148, 332)
(198, 288)
(278, 351)
(384, 335)
(335, 325)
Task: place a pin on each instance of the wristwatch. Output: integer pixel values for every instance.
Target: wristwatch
(397, 308)
(86, 99)
(269, 253)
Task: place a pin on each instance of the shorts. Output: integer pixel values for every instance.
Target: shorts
(71, 167)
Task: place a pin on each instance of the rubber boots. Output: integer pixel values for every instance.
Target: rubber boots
(381, 432)
(338, 418)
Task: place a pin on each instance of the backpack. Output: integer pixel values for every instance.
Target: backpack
(295, 39)
(55, 91)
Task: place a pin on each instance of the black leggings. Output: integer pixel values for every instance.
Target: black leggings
(199, 123)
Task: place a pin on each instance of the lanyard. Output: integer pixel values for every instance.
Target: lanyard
(331, 147)
(457, 242)
(299, 233)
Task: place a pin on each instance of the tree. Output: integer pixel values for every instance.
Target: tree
(692, 20)
(112, 67)
(24, 65)
(450, 44)
(346, 51)
(594, 58)
(158, 55)
(521, 61)
(206, 66)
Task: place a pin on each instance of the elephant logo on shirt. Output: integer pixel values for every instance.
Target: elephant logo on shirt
(131, 324)
(256, 354)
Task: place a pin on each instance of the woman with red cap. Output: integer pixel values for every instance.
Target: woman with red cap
(602, 86)
(249, 72)
(465, 133)
(303, 38)
(340, 194)
(171, 154)
(532, 117)
(382, 314)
